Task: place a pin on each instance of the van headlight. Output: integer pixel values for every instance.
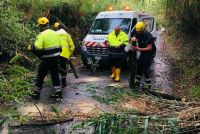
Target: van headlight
(84, 48)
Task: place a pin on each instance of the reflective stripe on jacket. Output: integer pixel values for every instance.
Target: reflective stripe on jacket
(120, 39)
(48, 43)
(66, 43)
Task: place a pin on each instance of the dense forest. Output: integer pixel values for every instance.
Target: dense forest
(18, 30)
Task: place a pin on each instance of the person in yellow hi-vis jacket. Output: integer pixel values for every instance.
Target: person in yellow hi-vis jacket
(117, 40)
(67, 50)
(47, 47)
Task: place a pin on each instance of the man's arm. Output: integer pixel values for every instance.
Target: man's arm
(146, 49)
(38, 43)
(71, 43)
(125, 39)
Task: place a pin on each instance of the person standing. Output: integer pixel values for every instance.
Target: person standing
(67, 50)
(117, 40)
(48, 46)
(147, 49)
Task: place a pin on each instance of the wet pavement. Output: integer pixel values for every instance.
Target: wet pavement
(77, 97)
(161, 67)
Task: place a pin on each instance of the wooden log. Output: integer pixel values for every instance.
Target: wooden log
(164, 96)
(41, 124)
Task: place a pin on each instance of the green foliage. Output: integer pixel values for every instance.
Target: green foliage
(55, 110)
(2, 121)
(111, 95)
(184, 13)
(109, 123)
(183, 31)
(16, 85)
(195, 92)
(11, 114)
(16, 58)
(15, 33)
(173, 128)
(94, 64)
(146, 124)
(184, 51)
(16, 71)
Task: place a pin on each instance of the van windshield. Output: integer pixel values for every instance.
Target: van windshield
(106, 25)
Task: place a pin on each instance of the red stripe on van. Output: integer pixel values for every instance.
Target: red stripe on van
(89, 44)
(93, 44)
(86, 43)
(105, 44)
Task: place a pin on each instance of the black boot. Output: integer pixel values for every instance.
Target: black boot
(137, 84)
(134, 85)
(64, 84)
(58, 95)
(147, 85)
(35, 95)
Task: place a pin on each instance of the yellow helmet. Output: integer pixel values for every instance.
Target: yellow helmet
(139, 26)
(43, 21)
(56, 25)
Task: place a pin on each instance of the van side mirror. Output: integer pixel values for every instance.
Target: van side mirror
(154, 38)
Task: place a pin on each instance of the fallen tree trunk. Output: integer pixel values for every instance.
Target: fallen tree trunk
(190, 130)
(164, 96)
(41, 124)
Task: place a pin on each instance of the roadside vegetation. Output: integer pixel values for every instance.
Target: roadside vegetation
(183, 36)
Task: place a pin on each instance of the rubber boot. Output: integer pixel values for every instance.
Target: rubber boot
(113, 72)
(117, 72)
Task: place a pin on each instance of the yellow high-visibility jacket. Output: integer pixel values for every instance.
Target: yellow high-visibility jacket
(121, 38)
(49, 43)
(66, 43)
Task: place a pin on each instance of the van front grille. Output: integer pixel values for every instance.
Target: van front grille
(98, 50)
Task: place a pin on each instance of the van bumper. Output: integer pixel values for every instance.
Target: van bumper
(102, 59)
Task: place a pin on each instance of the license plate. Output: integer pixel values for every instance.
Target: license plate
(97, 58)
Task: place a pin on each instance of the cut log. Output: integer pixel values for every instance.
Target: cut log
(36, 124)
(164, 96)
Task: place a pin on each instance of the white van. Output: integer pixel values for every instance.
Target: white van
(94, 46)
